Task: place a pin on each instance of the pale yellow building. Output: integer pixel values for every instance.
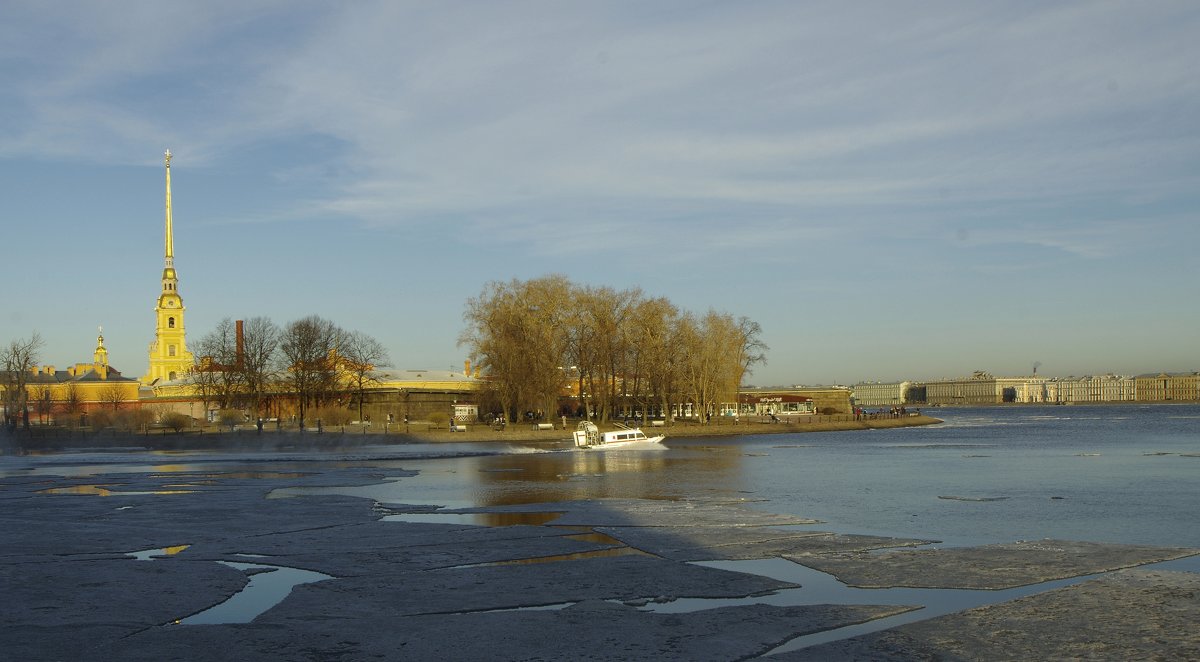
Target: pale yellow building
(1024, 389)
(169, 356)
(63, 395)
(1168, 387)
(1091, 388)
(978, 389)
(881, 394)
(395, 394)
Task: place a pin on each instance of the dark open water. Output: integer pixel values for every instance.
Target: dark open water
(1128, 474)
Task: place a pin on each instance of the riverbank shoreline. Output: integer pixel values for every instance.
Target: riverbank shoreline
(351, 436)
(681, 430)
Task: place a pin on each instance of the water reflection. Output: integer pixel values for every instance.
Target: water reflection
(613, 547)
(476, 519)
(576, 556)
(93, 490)
(525, 478)
(174, 472)
(151, 554)
(264, 475)
(595, 537)
(103, 491)
(574, 475)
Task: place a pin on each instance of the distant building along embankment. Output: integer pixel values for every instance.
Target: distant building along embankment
(982, 388)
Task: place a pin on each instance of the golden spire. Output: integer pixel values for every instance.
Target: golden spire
(170, 242)
(101, 355)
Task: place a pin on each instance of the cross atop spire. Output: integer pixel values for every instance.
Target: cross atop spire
(170, 241)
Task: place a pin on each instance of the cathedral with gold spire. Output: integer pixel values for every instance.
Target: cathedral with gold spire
(169, 357)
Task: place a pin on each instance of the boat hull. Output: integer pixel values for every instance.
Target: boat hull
(587, 435)
(650, 443)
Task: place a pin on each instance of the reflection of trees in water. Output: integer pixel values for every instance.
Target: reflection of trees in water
(552, 477)
(515, 519)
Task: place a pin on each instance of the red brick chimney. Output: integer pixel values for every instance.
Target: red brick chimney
(241, 346)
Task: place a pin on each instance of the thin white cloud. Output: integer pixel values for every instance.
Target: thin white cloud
(501, 108)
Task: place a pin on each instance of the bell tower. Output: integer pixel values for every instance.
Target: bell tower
(169, 357)
(100, 357)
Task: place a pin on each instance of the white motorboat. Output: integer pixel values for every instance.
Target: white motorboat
(587, 435)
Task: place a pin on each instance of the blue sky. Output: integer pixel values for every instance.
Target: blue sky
(893, 190)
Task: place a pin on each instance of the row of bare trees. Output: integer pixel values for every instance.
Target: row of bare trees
(69, 400)
(623, 349)
(311, 359)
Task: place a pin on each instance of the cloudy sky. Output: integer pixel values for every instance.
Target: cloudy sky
(893, 190)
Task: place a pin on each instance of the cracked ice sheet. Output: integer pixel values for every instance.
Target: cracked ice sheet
(741, 543)
(592, 630)
(387, 546)
(404, 591)
(1000, 566)
(78, 525)
(651, 512)
(1128, 615)
(59, 609)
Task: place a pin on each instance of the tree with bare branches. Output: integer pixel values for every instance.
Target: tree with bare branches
(259, 352)
(112, 395)
(517, 331)
(216, 375)
(361, 355)
(42, 402)
(625, 350)
(308, 349)
(719, 352)
(652, 355)
(71, 403)
(604, 335)
(18, 360)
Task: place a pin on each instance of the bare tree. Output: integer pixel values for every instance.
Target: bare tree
(652, 360)
(604, 336)
(260, 348)
(693, 363)
(42, 403)
(719, 354)
(217, 374)
(71, 403)
(361, 355)
(18, 361)
(750, 349)
(517, 332)
(112, 394)
(307, 347)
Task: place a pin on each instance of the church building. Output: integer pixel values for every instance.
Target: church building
(169, 356)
